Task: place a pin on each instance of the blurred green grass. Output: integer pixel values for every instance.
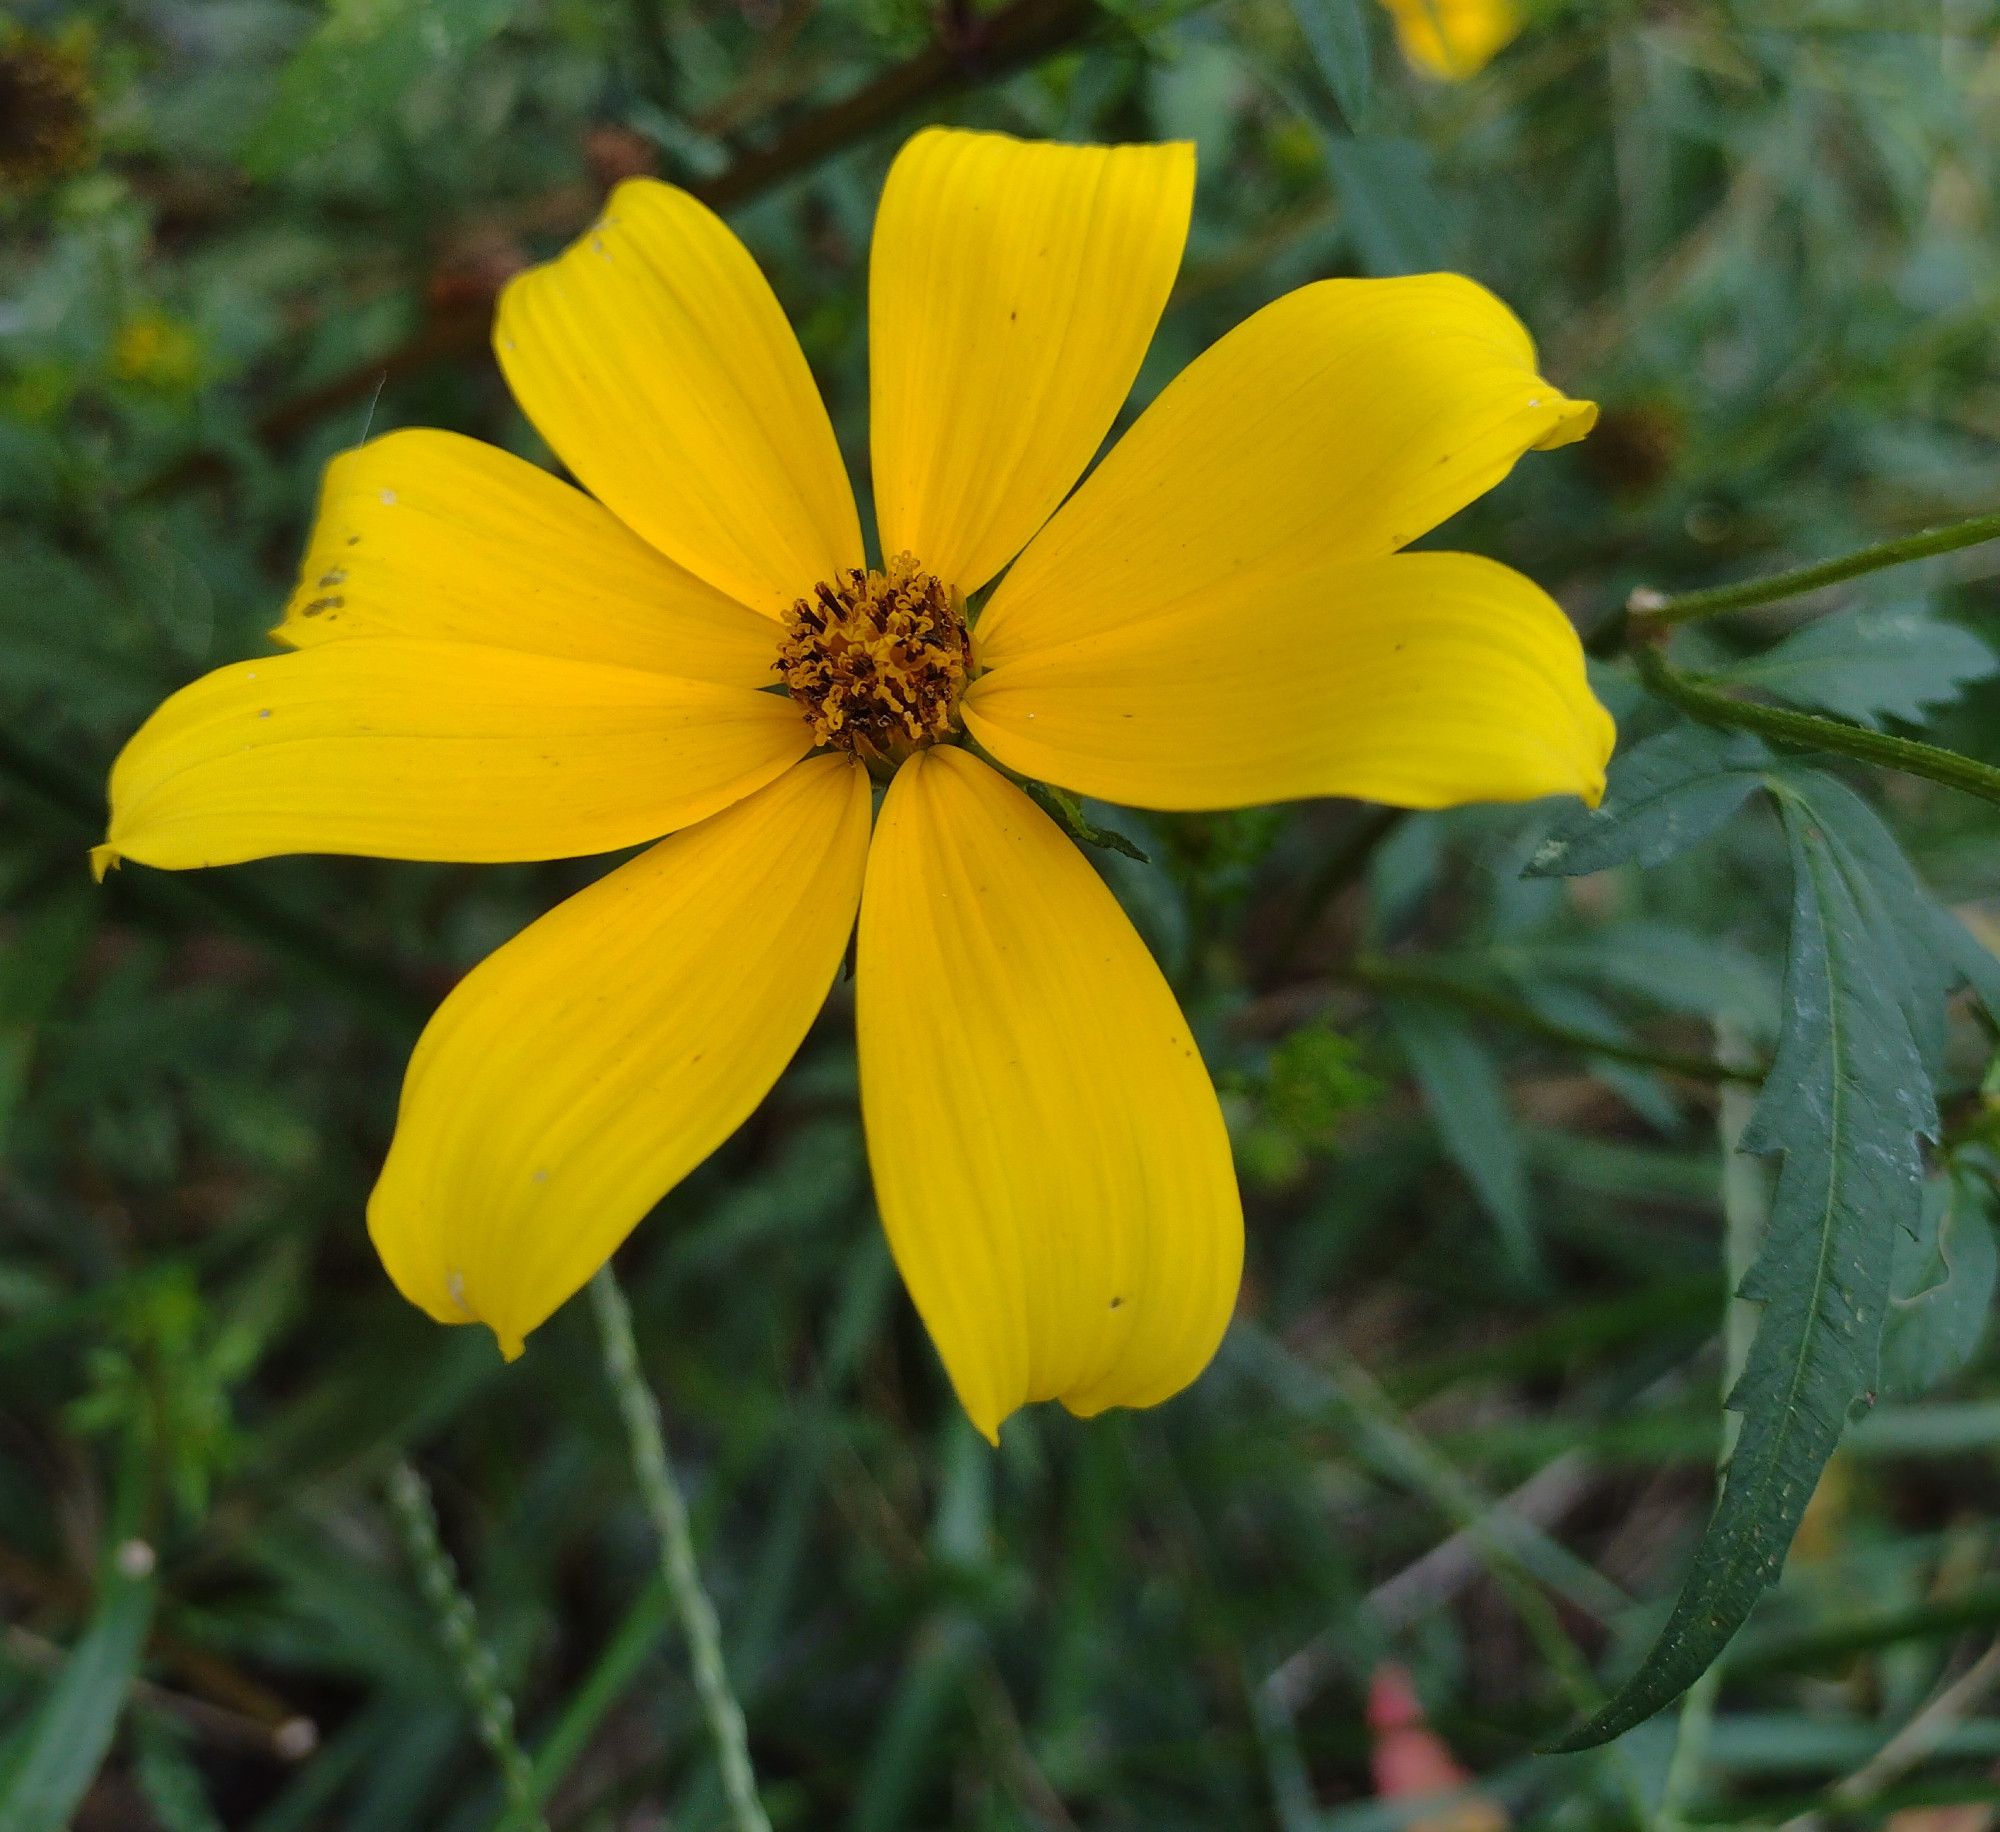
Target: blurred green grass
(1763, 236)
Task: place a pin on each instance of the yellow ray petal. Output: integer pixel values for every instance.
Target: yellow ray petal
(1340, 422)
(1049, 1157)
(577, 1075)
(1012, 291)
(435, 750)
(1419, 679)
(653, 357)
(436, 536)
(1454, 39)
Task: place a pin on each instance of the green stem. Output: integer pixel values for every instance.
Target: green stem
(1393, 977)
(1651, 609)
(1714, 707)
(665, 1507)
(458, 1629)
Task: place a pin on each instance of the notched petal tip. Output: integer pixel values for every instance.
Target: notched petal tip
(104, 858)
(1573, 422)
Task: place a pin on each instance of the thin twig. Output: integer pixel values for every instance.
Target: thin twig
(665, 1507)
(1655, 610)
(1019, 34)
(458, 1629)
(1436, 1577)
(1519, 1558)
(1910, 1745)
(1420, 983)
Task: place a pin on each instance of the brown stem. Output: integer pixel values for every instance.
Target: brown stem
(1020, 34)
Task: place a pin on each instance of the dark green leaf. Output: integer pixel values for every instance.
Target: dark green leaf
(51, 1769)
(1926, 949)
(1895, 662)
(1467, 1098)
(1845, 1102)
(1663, 797)
(1336, 33)
(1941, 1289)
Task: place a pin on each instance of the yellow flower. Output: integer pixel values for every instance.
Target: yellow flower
(489, 664)
(155, 350)
(1454, 39)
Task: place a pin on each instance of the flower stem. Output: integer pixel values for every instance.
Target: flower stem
(1714, 707)
(1652, 610)
(665, 1507)
(458, 1629)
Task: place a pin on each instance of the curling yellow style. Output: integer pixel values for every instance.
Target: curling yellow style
(485, 663)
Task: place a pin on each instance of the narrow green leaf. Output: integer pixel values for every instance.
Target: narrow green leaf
(1467, 1097)
(1066, 810)
(51, 1770)
(1389, 206)
(1663, 797)
(1845, 1102)
(1336, 33)
(172, 1782)
(1892, 662)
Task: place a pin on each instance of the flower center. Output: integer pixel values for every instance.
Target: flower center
(878, 660)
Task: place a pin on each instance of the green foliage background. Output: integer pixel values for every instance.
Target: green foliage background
(1478, 1113)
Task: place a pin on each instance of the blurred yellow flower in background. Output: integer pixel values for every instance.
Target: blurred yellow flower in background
(155, 350)
(491, 665)
(1454, 39)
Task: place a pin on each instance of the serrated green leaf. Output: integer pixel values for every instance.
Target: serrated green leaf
(1845, 1103)
(51, 1769)
(1336, 33)
(1927, 949)
(1941, 1289)
(1467, 1098)
(1892, 662)
(1662, 797)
